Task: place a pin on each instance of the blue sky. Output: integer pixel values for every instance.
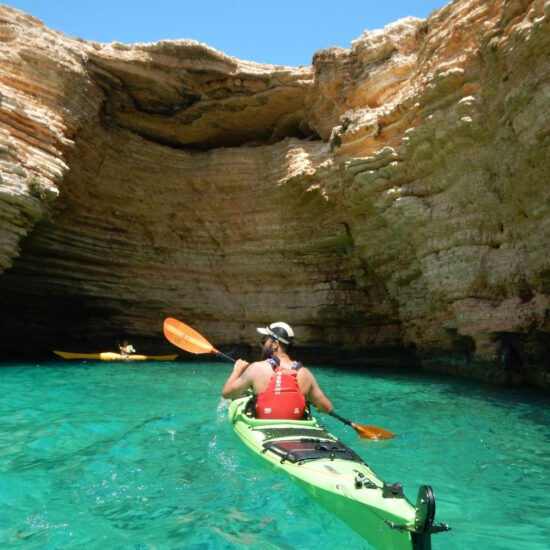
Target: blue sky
(279, 32)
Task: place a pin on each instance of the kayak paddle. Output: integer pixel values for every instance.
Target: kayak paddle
(184, 337)
(365, 432)
(188, 339)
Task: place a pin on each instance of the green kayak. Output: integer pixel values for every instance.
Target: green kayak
(340, 480)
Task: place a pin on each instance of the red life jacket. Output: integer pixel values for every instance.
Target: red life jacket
(282, 399)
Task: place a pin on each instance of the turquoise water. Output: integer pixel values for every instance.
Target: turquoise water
(141, 456)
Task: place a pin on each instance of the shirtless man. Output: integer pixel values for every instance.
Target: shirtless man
(280, 384)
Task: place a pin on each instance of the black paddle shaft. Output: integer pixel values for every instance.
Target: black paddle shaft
(344, 420)
(226, 357)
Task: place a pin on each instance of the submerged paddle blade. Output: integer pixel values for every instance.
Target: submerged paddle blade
(372, 432)
(184, 337)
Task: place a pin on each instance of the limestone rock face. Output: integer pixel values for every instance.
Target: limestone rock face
(390, 202)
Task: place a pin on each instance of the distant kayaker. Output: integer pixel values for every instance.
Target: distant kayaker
(126, 349)
(280, 385)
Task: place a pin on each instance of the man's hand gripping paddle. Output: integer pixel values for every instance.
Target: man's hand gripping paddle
(188, 339)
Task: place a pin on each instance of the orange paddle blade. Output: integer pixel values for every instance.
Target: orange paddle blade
(184, 337)
(365, 432)
(372, 432)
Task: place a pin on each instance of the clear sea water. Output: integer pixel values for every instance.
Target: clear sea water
(142, 457)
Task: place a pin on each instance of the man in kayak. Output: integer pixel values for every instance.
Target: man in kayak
(126, 349)
(280, 385)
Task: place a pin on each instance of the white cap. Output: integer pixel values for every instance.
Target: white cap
(279, 331)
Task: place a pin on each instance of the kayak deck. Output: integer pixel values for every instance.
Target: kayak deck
(112, 356)
(337, 478)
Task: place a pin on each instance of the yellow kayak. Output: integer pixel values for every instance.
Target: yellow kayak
(112, 356)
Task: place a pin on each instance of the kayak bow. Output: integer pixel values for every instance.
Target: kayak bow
(111, 356)
(338, 479)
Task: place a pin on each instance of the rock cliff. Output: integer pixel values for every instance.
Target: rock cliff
(391, 201)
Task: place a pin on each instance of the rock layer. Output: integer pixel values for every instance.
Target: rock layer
(390, 201)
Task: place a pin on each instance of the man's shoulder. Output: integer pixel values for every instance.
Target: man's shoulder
(260, 369)
(259, 365)
(304, 371)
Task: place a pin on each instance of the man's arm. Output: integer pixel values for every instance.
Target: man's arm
(239, 380)
(314, 392)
